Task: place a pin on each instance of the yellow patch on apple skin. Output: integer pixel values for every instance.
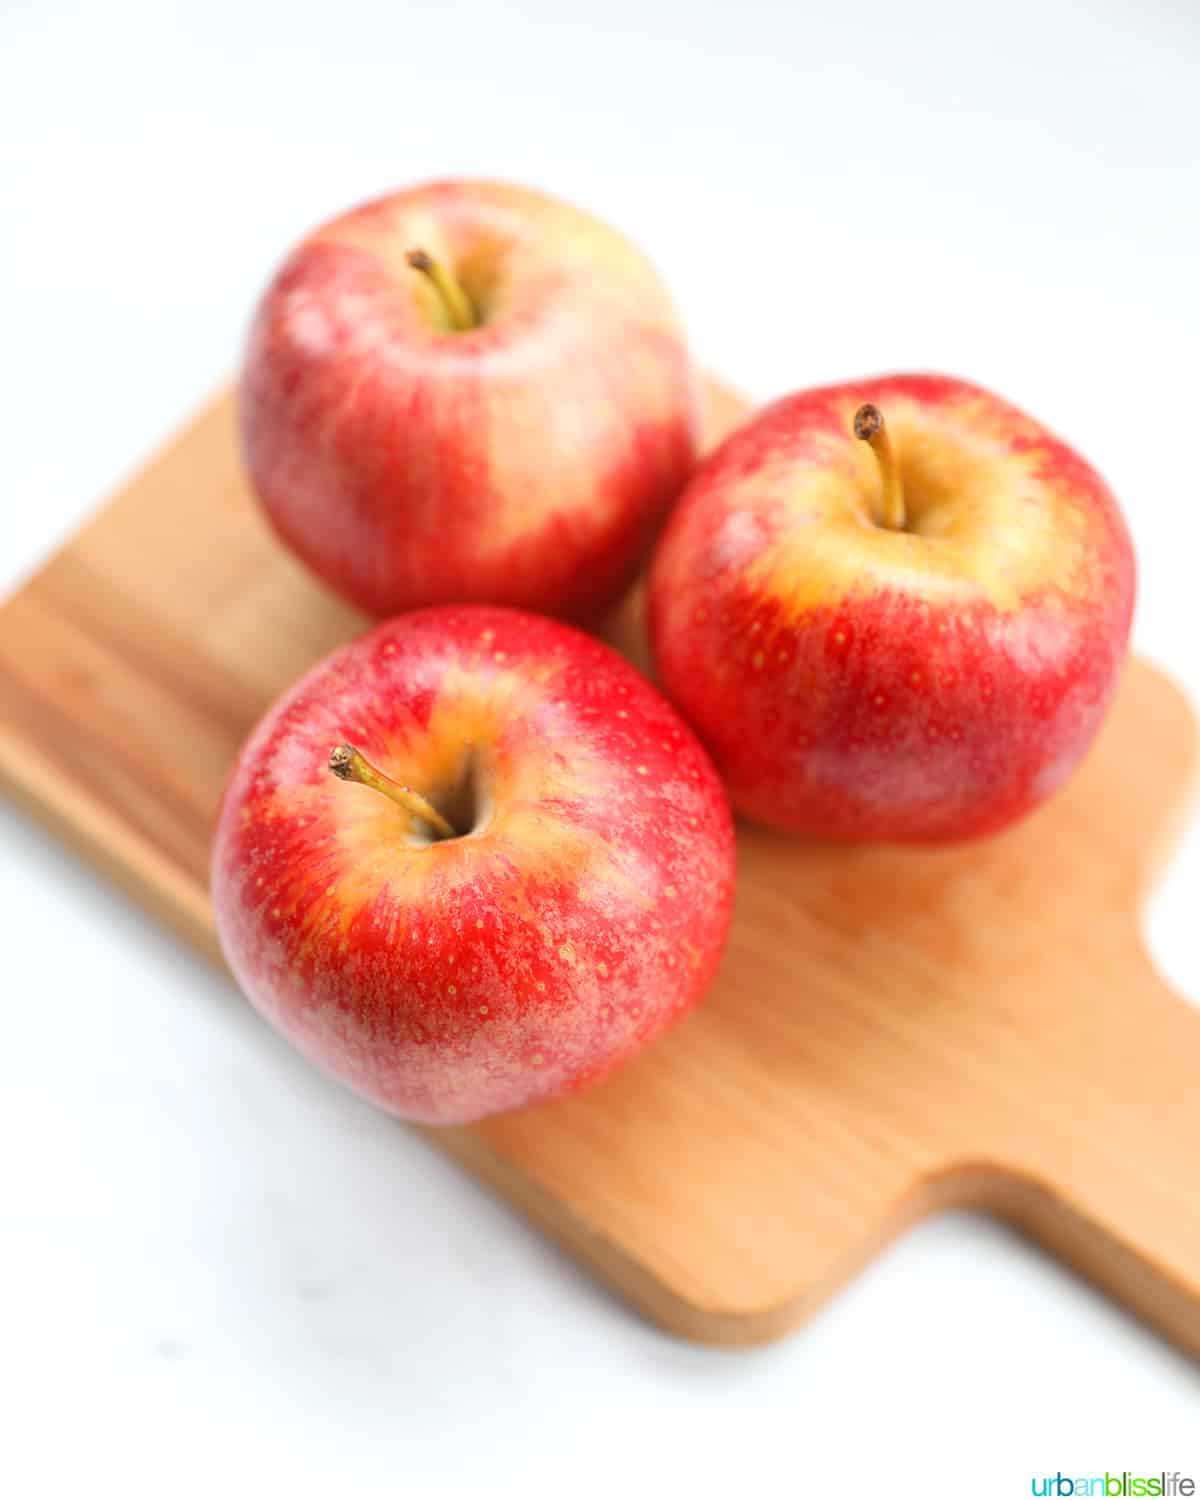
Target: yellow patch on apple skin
(817, 539)
(530, 442)
(360, 843)
(620, 312)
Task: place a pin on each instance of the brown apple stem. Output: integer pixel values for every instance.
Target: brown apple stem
(455, 302)
(870, 427)
(351, 765)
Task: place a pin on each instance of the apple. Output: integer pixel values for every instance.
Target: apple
(893, 610)
(468, 392)
(471, 860)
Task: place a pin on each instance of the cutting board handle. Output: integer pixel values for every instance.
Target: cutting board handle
(1104, 1172)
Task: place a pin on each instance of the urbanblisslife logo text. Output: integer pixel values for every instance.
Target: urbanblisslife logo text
(1121, 1484)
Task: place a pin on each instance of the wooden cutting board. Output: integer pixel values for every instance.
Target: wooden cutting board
(891, 1032)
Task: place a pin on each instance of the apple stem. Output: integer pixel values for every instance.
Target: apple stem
(455, 302)
(870, 427)
(349, 764)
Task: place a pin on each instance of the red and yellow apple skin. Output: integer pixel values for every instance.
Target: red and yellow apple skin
(582, 911)
(527, 461)
(857, 682)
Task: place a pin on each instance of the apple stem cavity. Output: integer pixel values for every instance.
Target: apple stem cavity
(349, 764)
(456, 305)
(869, 426)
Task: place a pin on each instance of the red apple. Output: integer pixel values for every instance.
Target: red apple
(533, 878)
(912, 643)
(468, 392)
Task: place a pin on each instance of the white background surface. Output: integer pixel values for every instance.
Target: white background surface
(221, 1274)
